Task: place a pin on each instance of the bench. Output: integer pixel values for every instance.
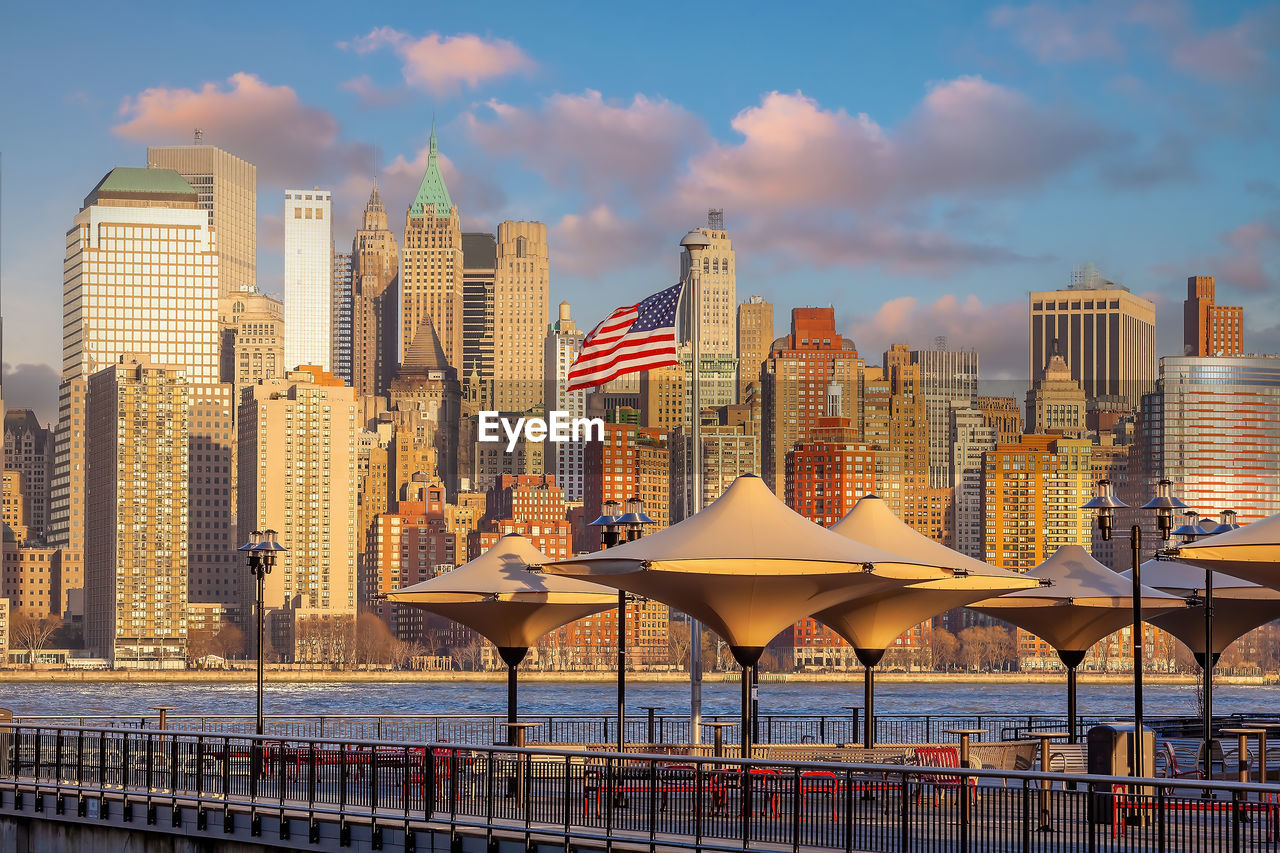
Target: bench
(1183, 758)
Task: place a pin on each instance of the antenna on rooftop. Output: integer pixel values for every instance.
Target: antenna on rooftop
(199, 136)
(940, 343)
(715, 219)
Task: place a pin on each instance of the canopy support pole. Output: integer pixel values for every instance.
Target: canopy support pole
(1071, 659)
(869, 658)
(512, 656)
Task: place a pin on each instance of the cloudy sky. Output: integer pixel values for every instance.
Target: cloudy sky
(921, 166)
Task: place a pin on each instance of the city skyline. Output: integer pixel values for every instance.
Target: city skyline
(970, 174)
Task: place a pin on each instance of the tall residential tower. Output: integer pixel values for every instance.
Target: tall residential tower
(308, 278)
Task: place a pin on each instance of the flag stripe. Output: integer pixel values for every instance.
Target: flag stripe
(631, 339)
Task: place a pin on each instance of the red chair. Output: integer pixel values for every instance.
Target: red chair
(821, 782)
(938, 756)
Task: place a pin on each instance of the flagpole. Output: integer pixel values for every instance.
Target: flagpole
(695, 242)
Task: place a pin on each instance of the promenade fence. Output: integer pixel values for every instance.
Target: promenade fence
(654, 728)
(676, 802)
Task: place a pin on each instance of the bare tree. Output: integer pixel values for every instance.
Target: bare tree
(32, 633)
(945, 648)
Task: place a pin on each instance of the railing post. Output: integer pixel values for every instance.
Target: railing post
(1236, 827)
(797, 805)
(904, 813)
(1026, 815)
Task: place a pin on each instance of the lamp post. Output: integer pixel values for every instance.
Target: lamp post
(1190, 532)
(612, 528)
(1104, 504)
(261, 551)
(631, 524)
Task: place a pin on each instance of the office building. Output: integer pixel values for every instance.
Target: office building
(717, 324)
(252, 330)
(140, 277)
(431, 272)
(1002, 414)
(298, 476)
(728, 452)
(479, 270)
(227, 189)
(308, 278)
(971, 437)
(1212, 427)
(521, 305)
(560, 348)
(1033, 494)
(755, 334)
(375, 296)
(136, 538)
(947, 378)
(1209, 329)
(28, 451)
(795, 377)
(1056, 402)
(343, 309)
(426, 400)
(1106, 334)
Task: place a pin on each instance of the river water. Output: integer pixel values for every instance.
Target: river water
(600, 698)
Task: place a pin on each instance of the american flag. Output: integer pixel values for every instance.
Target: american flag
(631, 339)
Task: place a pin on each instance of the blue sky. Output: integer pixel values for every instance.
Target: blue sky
(922, 166)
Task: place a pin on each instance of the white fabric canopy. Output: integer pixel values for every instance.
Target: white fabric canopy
(875, 620)
(1086, 602)
(498, 597)
(1239, 605)
(747, 566)
(1251, 552)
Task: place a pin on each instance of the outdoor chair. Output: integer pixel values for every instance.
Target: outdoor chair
(824, 783)
(939, 756)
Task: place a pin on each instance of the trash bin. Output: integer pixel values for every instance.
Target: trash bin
(1110, 753)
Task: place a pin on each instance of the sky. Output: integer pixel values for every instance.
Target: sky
(920, 166)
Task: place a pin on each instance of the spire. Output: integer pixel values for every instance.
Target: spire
(432, 192)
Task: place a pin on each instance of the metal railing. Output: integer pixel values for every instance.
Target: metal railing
(653, 728)
(577, 797)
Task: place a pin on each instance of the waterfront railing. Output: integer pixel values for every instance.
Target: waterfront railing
(652, 728)
(579, 797)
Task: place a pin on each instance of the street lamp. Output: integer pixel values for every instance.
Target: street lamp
(1190, 532)
(261, 551)
(614, 529)
(1104, 504)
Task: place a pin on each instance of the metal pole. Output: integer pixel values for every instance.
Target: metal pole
(622, 671)
(869, 703)
(260, 575)
(1139, 741)
(695, 399)
(746, 713)
(1071, 704)
(1207, 670)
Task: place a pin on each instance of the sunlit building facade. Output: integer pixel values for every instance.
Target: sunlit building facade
(308, 278)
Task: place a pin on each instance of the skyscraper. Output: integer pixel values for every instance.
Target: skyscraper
(562, 345)
(308, 278)
(140, 276)
(521, 302)
(719, 291)
(375, 284)
(136, 537)
(431, 275)
(795, 376)
(297, 461)
(1209, 329)
(947, 378)
(479, 269)
(228, 189)
(343, 309)
(1106, 334)
(971, 437)
(1212, 426)
(28, 450)
(755, 336)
